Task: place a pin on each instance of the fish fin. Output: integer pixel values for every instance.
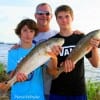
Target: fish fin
(4, 86)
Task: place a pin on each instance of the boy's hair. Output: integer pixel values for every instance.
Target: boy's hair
(31, 24)
(65, 8)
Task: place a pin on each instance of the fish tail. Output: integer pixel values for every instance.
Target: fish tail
(4, 86)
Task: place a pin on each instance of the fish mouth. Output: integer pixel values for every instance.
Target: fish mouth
(4, 86)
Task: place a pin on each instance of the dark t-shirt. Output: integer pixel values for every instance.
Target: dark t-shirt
(71, 83)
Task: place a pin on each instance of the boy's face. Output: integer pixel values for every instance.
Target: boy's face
(27, 34)
(64, 20)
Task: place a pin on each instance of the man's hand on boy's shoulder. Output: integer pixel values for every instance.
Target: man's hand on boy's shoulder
(77, 32)
(15, 46)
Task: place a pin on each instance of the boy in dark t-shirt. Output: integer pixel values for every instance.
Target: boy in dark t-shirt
(70, 84)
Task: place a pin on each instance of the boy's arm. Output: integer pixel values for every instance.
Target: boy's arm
(95, 59)
(52, 67)
(52, 64)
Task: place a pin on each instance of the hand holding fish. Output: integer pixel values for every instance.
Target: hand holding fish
(95, 42)
(68, 65)
(21, 77)
(56, 49)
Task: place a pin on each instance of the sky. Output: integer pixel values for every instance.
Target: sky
(86, 15)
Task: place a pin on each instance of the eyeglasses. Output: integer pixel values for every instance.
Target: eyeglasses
(43, 13)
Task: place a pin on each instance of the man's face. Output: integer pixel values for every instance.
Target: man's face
(43, 15)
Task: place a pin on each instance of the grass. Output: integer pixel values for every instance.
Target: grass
(93, 90)
(3, 74)
(1, 68)
(4, 77)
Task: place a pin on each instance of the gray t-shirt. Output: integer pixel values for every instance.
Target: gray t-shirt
(42, 36)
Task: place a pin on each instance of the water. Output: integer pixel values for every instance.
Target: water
(4, 52)
(90, 72)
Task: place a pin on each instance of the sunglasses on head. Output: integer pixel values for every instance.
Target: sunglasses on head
(43, 13)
